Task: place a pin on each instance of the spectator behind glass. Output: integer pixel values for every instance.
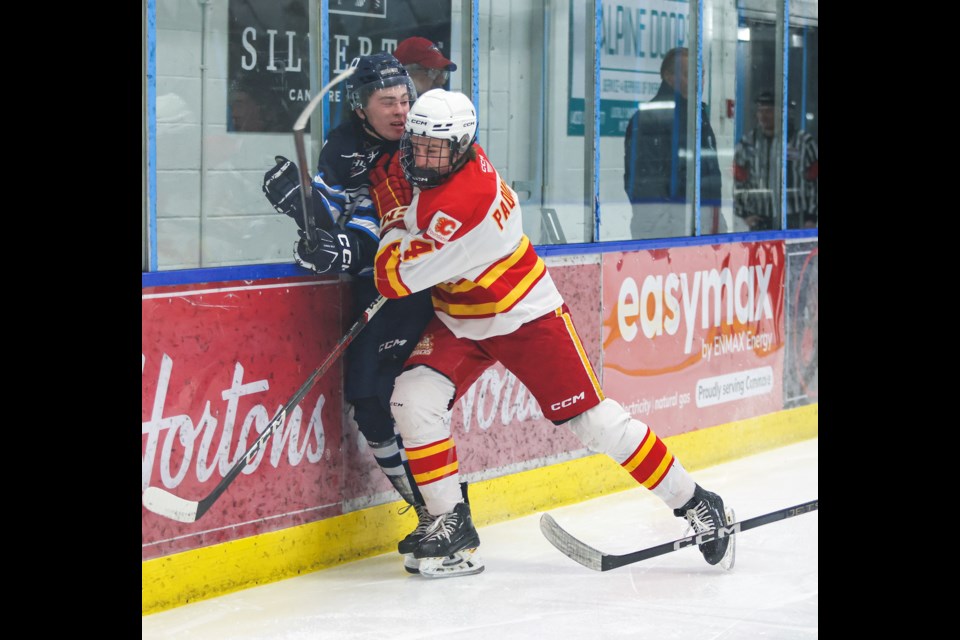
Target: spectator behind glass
(756, 172)
(428, 68)
(655, 160)
(255, 104)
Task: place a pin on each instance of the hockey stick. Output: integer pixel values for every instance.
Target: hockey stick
(298, 128)
(600, 561)
(166, 504)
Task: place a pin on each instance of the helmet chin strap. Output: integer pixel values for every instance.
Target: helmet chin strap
(461, 159)
(369, 128)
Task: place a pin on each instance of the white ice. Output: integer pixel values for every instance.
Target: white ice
(530, 590)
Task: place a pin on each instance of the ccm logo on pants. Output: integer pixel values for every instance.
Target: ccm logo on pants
(568, 402)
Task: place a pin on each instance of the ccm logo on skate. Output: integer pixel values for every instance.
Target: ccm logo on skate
(569, 402)
(707, 536)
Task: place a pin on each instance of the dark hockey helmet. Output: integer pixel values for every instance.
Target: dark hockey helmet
(375, 72)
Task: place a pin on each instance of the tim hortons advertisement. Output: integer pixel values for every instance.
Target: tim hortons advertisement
(217, 365)
(694, 336)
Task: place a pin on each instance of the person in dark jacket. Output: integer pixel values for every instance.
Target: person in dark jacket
(345, 236)
(655, 160)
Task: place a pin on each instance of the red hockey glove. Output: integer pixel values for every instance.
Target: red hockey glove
(390, 191)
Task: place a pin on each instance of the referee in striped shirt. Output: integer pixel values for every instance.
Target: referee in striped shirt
(757, 169)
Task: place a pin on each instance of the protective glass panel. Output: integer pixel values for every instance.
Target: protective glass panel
(231, 79)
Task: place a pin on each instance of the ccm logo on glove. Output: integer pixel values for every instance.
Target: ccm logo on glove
(327, 253)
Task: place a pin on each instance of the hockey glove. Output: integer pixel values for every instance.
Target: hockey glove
(282, 186)
(391, 192)
(332, 253)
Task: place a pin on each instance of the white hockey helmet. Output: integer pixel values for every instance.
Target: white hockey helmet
(443, 115)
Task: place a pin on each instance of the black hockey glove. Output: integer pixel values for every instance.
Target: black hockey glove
(282, 186)
(333, 253)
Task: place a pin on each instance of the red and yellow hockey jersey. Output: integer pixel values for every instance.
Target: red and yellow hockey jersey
(464, 238)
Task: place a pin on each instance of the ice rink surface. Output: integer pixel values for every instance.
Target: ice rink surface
(531, 590)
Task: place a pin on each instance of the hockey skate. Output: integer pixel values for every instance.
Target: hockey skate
(424, 520)
(703, 513)
(407, 546)
(450, 546)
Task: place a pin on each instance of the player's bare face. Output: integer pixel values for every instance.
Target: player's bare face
(431, 153)
(386, 111)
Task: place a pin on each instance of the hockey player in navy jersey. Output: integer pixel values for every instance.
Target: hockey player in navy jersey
(345, 234)
(459, 234)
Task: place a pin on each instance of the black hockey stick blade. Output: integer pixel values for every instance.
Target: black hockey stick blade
(298, 127)
(600, 561)
(164, 503)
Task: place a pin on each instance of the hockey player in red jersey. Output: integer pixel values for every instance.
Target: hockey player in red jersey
(459, 233)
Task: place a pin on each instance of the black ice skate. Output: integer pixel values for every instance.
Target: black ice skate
(424, 520)
(407, 546)
(450, 546)
(703, 513)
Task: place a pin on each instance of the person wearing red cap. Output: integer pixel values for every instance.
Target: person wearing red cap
(425, 64)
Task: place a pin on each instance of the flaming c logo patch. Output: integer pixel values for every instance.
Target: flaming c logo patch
(442, 227)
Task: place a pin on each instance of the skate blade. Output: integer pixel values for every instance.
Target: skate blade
(411, 564)
(462, 563)
(730, 556)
